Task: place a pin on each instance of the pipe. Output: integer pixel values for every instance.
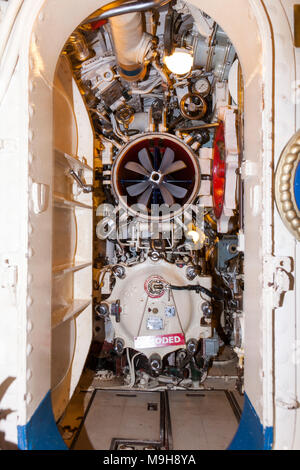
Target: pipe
(131, 45)
(162, 72)
(81, 50)
(148, 89)
(127, 7)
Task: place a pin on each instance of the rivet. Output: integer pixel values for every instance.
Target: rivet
(296, 223)
(291, 215)
(31, 85)
(285, 178)
(29, 301)
(285, 196)
(287, 169)
(29, 326)
(28, 398)
(285, 187)
(31, 110)
(295, 149)
(30, 158)
(29, 374)
(291, 158)
(287, 206)
(29, 349)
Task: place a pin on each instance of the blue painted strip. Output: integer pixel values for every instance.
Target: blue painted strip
(251, 435)
(131, 73)
(41, 432)
(297, 186)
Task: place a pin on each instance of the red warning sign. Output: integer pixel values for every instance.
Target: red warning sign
(159, 341)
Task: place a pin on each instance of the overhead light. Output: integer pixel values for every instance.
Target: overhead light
(195, 234)
(180, 62)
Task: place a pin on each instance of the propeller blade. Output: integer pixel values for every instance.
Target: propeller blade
(137, 168)
(176, 191)
(144, 159)
(144, 198)
(167, 160)
(176, 166)
(138, 188)
(167, 196)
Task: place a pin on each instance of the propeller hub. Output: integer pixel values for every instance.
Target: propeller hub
(156, 177)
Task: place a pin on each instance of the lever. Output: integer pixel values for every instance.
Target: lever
(87, 188)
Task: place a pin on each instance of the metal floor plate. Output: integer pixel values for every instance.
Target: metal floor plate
(117, 416)
(203, 420)
(179, 420)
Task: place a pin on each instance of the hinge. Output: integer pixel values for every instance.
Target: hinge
(248, 169)
(40, 197)
(8, 146)
(278, 277)
(290, 404)
(8, 275)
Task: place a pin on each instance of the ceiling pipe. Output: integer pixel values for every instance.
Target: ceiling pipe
(127, 7)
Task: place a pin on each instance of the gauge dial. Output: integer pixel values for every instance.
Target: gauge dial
(202, 86)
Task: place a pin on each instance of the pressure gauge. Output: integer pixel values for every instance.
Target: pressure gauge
(202, 86)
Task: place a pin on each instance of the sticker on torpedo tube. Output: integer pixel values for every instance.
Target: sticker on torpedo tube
(158, 341)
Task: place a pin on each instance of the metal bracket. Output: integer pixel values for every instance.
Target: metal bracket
(40, 197)
(9, 275)
(279, 277)
(116, 310)
(87, 188)
(227, 250)
(291, 404)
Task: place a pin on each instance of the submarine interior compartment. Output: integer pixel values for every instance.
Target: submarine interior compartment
(167, 202)
(160, 218)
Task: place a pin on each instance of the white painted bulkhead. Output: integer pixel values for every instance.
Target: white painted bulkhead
(262, 35)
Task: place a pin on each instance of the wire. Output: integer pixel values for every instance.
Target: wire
(129, 362)
(132, 381)
(131, 367)
(148, 89)
(196, 288)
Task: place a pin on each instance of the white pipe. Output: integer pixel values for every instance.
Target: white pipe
(140, 122)
(148, 89)
(131, 45)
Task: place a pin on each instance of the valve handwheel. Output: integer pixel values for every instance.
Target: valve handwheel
(193, 106)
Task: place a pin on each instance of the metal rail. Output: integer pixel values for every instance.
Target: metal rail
(123, 8)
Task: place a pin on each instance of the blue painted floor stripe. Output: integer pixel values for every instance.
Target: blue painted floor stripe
(41, 432)
(251, 435)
